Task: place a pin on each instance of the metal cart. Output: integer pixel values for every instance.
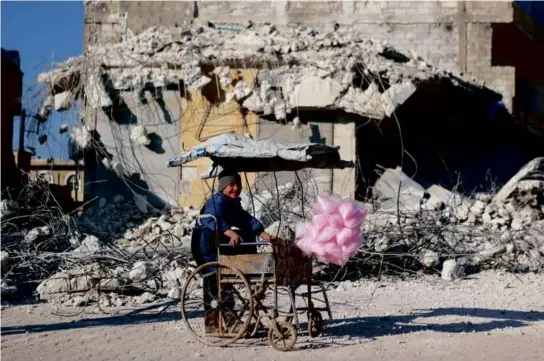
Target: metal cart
(245, 281)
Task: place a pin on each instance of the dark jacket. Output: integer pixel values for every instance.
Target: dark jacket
(229, 213)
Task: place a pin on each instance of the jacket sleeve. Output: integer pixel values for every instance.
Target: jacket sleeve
(216, 206)
(248, 221)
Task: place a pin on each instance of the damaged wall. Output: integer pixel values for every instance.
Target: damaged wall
(455, 35)
(450, 35)
(139, 159)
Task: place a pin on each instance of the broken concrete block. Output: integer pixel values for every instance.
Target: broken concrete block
(315, 92)
(4, 261)
(174, 293)
(396, 95)
(90, 244)
(451, 270)
(63, 101)
(521, 180)
(139, 135)
(386, 189)
(139, 271)
(430, 259)
(200, 83)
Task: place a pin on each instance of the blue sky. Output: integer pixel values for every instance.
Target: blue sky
(44, 32)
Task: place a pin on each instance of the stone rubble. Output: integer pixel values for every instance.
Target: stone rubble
(438, 230)
(438, 226)
(336, 69)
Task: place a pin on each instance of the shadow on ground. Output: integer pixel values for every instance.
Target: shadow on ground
(368, 328)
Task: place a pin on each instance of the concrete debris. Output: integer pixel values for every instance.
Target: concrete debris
(430, 259)
(139, 135)
(7, 207)
(4, 261)
(35, 233)
(80, 139)
(174, 293)
(63, 101)
(90, 244)
(146, 297)
(311, 68)
(78, 279)
(488, 233)
(528, 183)
(396, 187)
(451, 270)
(139, 271)
(63, 128)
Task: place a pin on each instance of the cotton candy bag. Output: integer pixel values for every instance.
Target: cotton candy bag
(334, 233)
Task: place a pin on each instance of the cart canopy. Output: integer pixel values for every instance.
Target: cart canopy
(243, 154)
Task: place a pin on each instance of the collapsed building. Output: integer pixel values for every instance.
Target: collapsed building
(426, 99)
(425, 94)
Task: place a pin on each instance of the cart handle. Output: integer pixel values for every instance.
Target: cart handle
(248, 244)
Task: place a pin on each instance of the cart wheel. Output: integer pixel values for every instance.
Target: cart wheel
(285, 339)
(315, 323)
(229, 311)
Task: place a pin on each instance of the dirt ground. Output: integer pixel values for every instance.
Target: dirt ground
(491, 316)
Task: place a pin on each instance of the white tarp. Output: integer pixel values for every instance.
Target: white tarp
(234, 146)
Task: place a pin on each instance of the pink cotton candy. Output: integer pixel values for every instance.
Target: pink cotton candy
(327, 205)
(347, 236)
(354, 221)
(327, 234)
(351, 248)
(335, 220)
(347, 209)
(320, 221)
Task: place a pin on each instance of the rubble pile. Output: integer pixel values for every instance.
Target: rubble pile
(307, 68)
(124, 223)
(119, 254)
(32, 228)
(434, 225)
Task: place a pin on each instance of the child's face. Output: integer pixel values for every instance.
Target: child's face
(233, 190)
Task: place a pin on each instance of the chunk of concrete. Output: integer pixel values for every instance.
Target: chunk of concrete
(523, 180)
(395, 184)
(4, 261)
(90, 244)
(63, 101)
(139, 135)
(451, 270)
(396, 95)
(315, 92)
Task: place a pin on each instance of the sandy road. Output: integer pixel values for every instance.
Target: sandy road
(491, 316)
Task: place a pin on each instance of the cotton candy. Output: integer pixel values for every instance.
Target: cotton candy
(327, 205)
(333, 235)
(335, 220)
(328, 233)
(353, 221)
(347, 236)
(320, 221)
